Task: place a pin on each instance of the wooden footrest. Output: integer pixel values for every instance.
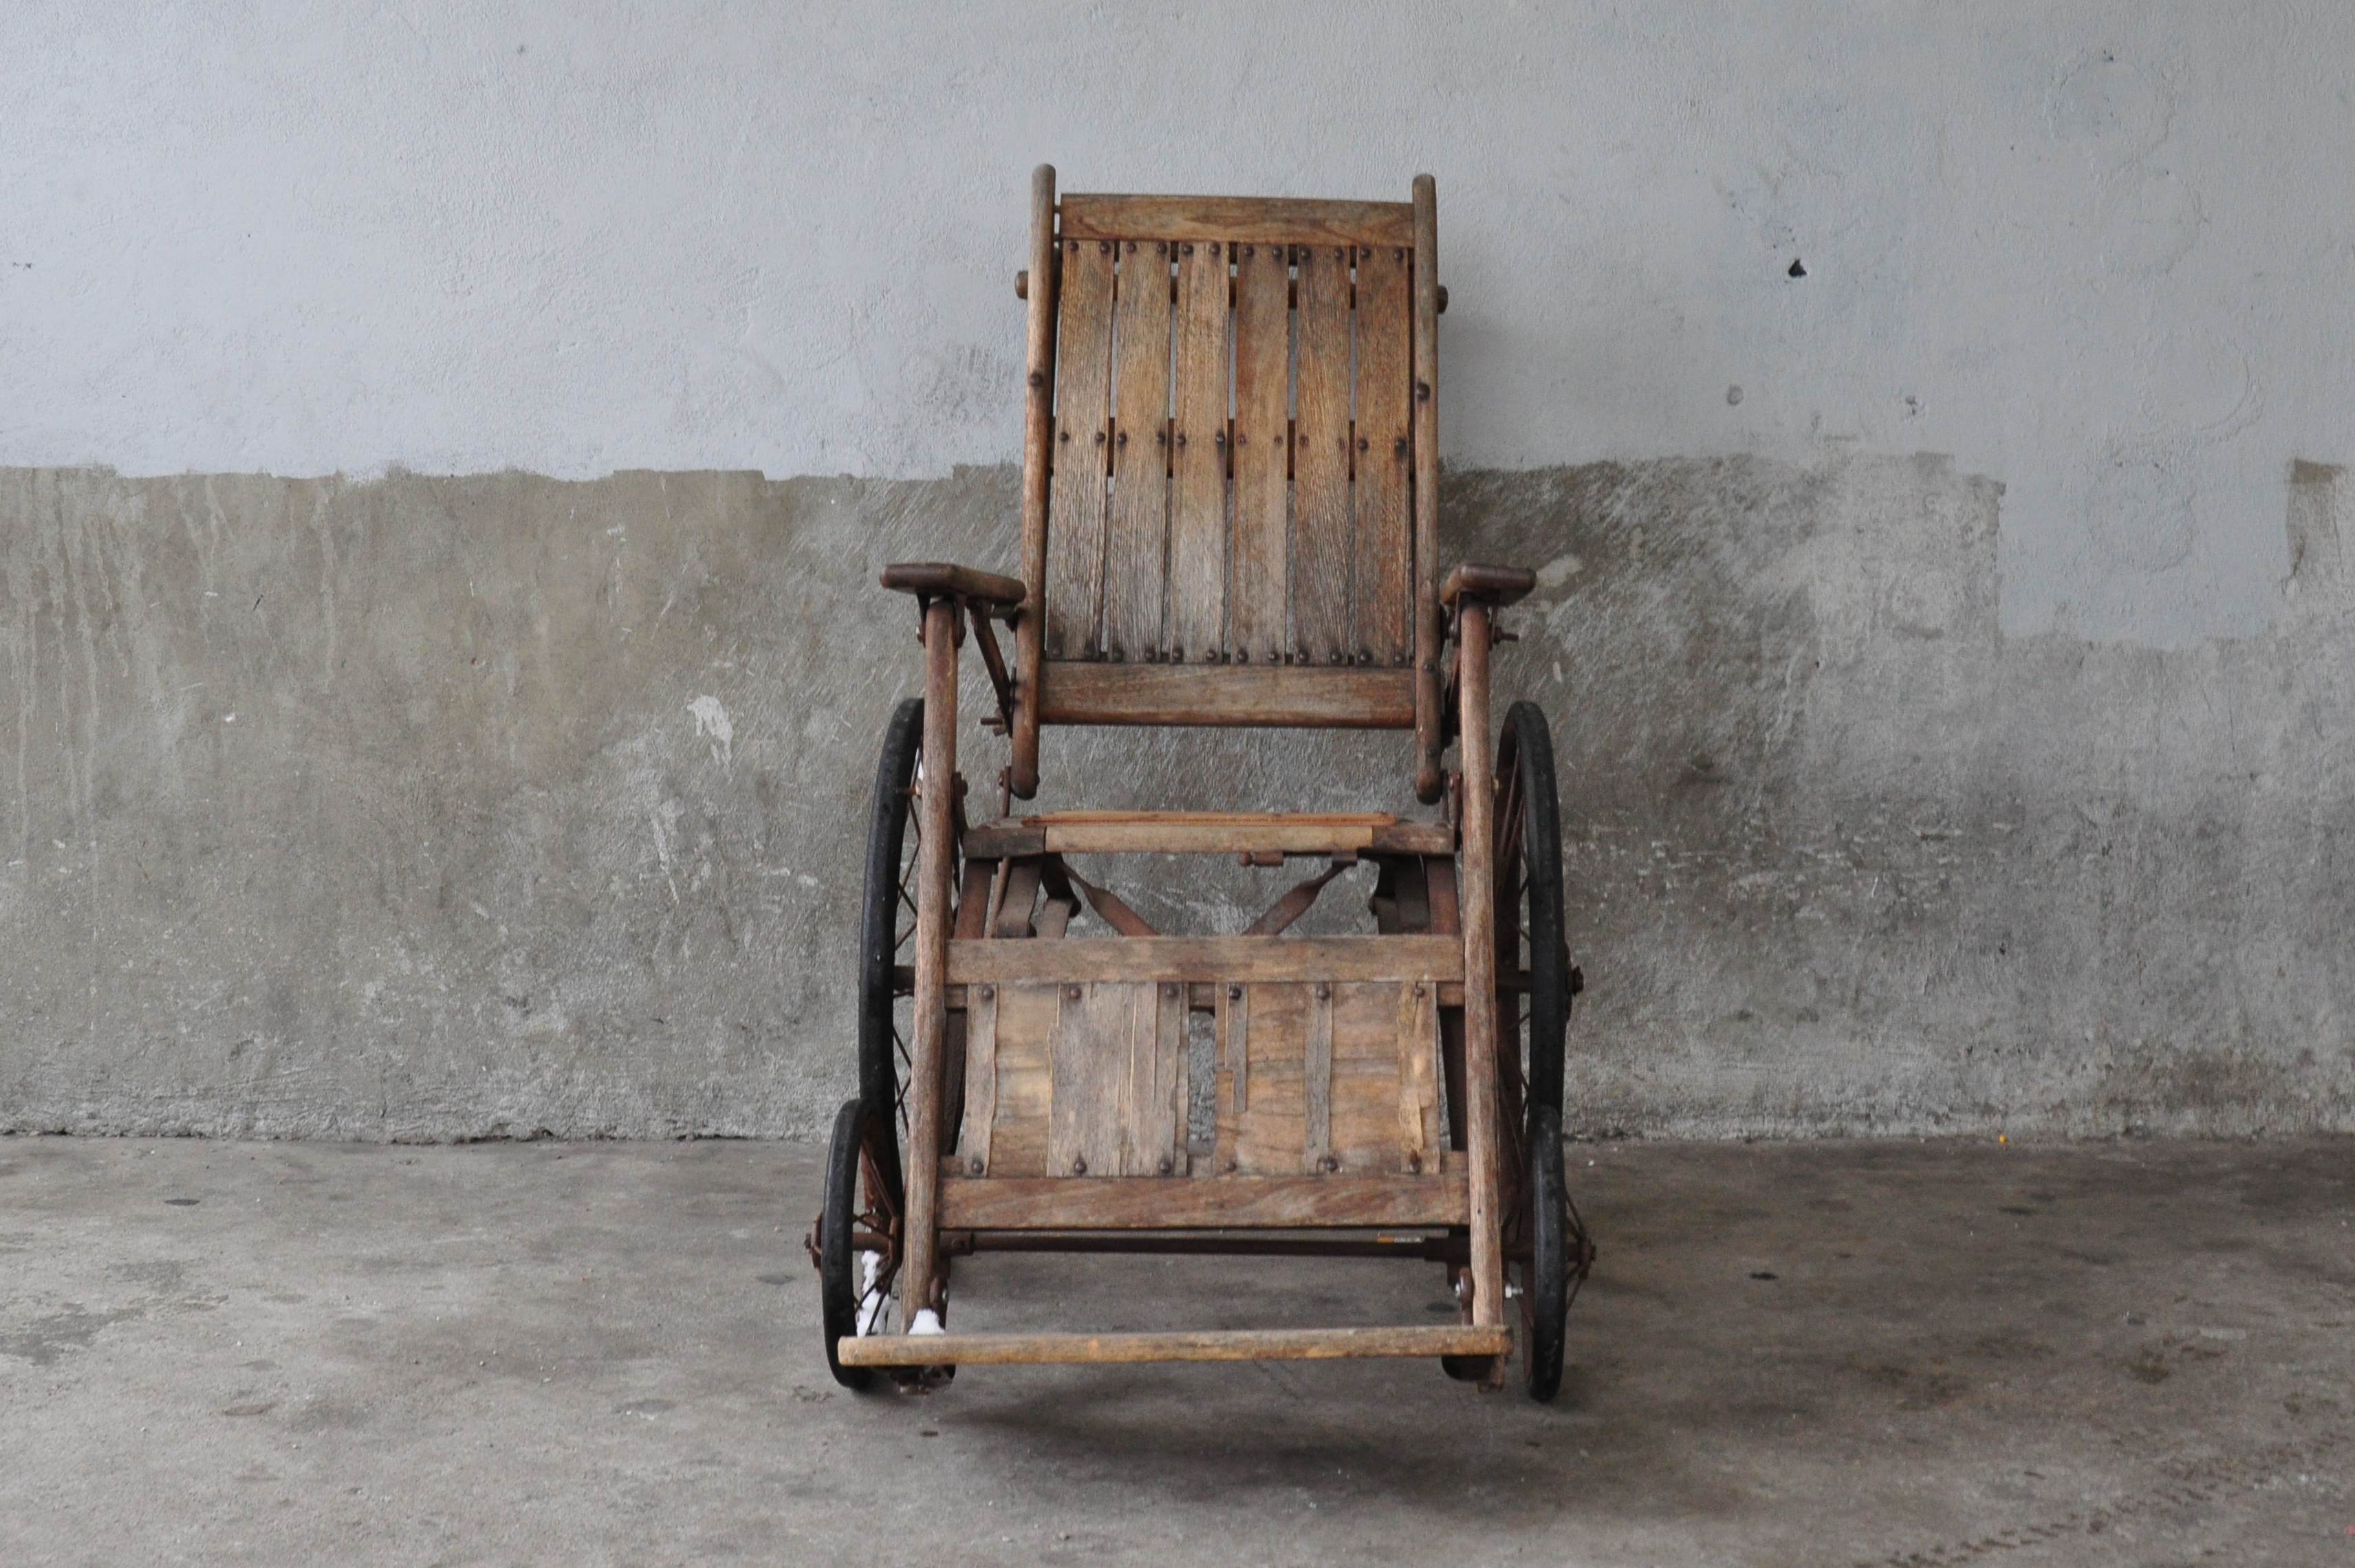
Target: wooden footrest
(1232, 1345)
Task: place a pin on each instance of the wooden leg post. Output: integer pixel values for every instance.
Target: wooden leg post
(1479, 914)
(937, 802)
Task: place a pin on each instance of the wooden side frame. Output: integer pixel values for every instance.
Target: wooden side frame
(1037, 443)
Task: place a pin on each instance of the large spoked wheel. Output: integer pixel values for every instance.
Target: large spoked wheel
(887, 931)
(858, 1236)
(1545, 1276)
(1546, 1241)
(1532, 952)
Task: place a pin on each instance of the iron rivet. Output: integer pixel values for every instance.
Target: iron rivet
(1104, 246)
(1234, 993)
(974, 1165)
(1398, 255)
(1324, 991)
(988, 993)
(1070, 993)
(1080, 1165)
(1247, 250)
(1166, 1164)
(1190, 250)
(1038, 377)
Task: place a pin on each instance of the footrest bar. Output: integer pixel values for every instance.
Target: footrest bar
(1229, 1345)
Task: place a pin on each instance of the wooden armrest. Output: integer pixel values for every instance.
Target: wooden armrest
(1495, 585)
(937, 579)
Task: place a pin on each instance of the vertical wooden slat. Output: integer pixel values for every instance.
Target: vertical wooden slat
(1480, 1065)
(1226, 1108)
(1197, 495)
(1418, 1049)
(1152, 1110)
(980, 1079)
(1272, 1127)
(1090, 1052)
(1024, 1047)
(1075, 518)
(1256, 595)
(1317, 1085)
(1175, 1064)
(1428, 779)
(1136, 531)
(1385, 538)
(1322, 547)
(935, 800)
(1037, 458)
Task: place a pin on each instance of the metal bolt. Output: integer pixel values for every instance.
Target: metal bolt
(1079, 1164)
(1329, 1165)
(1104, 246)
(1234, 993)
(988, 993)
(974, 1165)
(1167, 1165)
(1324, 992)
(1168, 990)
(1070, 993)
(1038, 377)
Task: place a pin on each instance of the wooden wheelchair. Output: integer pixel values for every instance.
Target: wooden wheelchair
(1229, 517)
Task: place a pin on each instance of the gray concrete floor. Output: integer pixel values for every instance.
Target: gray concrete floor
(1917, 1353)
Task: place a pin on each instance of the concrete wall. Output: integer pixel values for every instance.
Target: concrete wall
(1949, 642)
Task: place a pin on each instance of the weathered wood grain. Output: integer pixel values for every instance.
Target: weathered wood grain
(1202, 1203)
(1266, 220)
(1243, 695)
(1198, 485)
(1257, 960)
(1257, 597)
(1385, 534)
(980, 1120)
(1081, 456)
(1322, 531)
(1136, 528)
(1038, 460)
(1223, 1345)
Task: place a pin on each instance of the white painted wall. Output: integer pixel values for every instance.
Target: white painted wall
(2105, 253)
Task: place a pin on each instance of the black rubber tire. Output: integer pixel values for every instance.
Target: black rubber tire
(887, 834)
(1527, 744)
(857, 1125)
(1545, 1282)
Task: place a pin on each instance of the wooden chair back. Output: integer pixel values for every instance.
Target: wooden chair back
(1231, 464)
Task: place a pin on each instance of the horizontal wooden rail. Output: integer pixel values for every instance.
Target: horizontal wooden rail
(1202, 996)
(1210, 1202)
(1207, 832)
(1235, 960)
(1229, 1345)
(1266, 220)
(1300, 696)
